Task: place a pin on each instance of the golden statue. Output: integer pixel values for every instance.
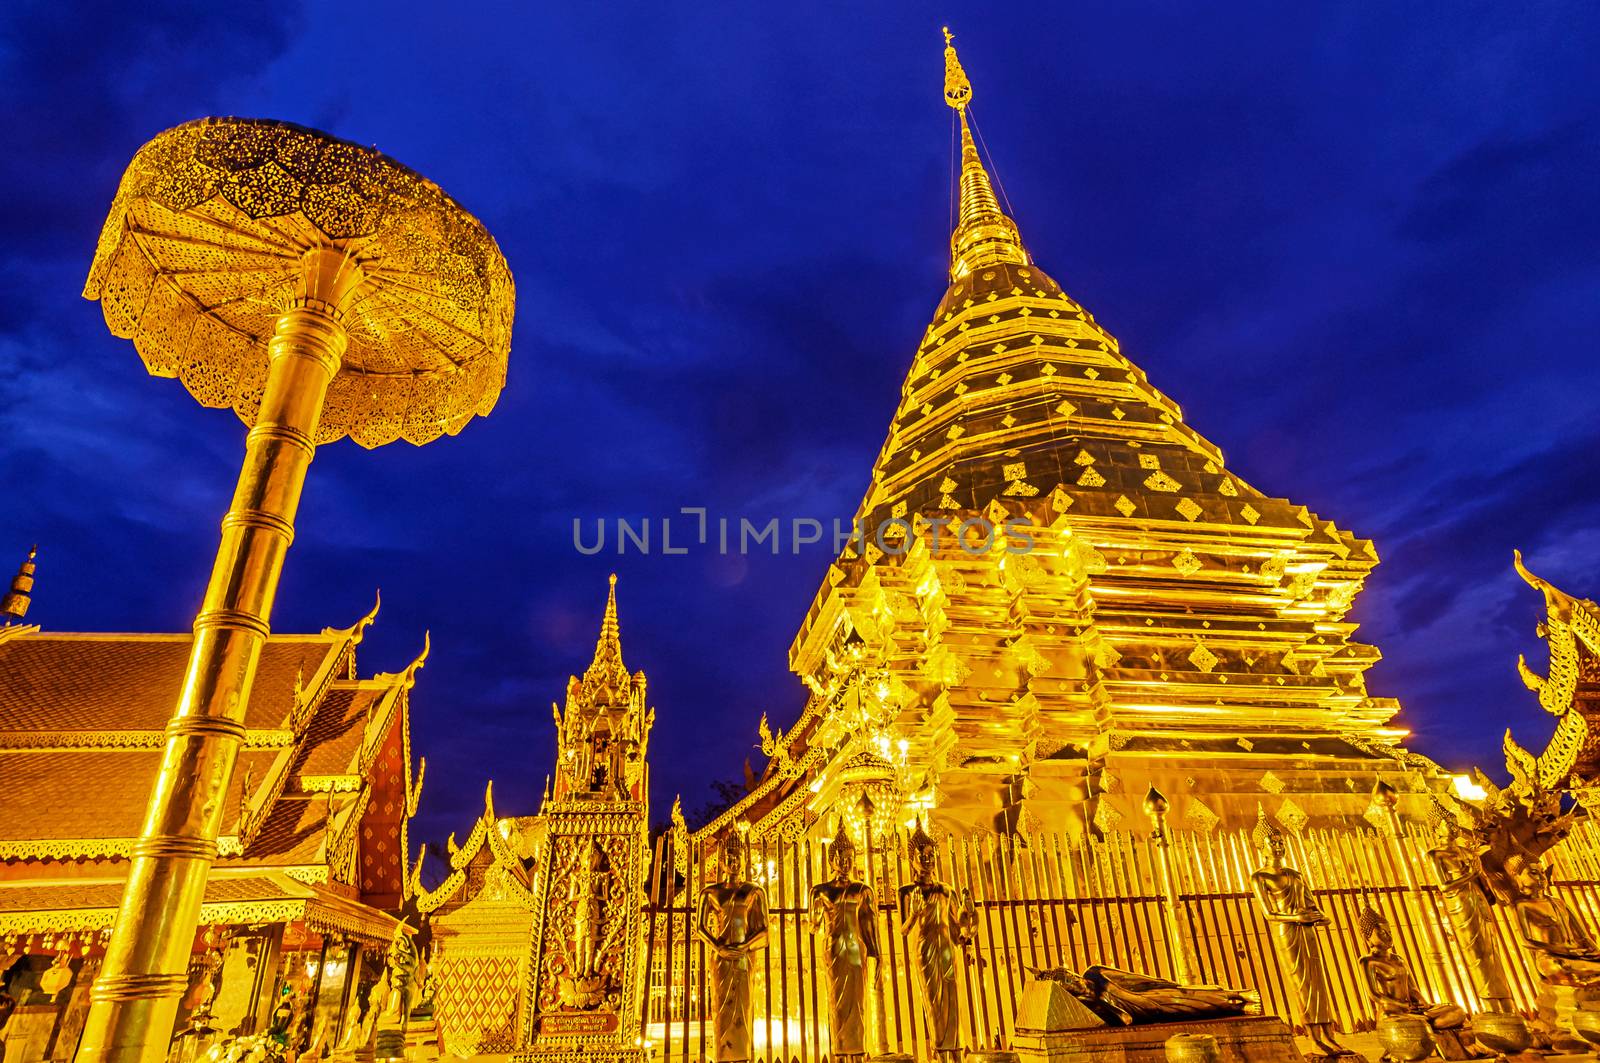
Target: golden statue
(380, 1030)
(1123, 998)
(1459, 869)
(1395, 992)
(733, 922)
(845, 914)
(941, 924)
(1564, 952)
(1288, 905)
(586, 892)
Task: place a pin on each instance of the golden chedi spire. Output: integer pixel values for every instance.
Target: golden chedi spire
(606, 673)
(984, 235)
(14, 606)
(1149, 615)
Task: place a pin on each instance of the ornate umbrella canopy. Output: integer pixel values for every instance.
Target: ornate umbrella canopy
(202, 251)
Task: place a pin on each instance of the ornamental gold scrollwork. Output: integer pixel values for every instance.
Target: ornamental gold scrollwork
(427, 350)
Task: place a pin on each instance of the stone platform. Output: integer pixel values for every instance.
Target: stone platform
(1249, 1039)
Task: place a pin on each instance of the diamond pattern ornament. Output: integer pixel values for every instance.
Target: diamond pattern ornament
(1292, 816)
(1271, 783)
(1090, 478)
(1186, 562)
(1160, 481)
(1123, 505)
(1060, 501)
(1106, 818)
(1198, 816)
(1188, 509)
(1250, 514)
(1202, 657)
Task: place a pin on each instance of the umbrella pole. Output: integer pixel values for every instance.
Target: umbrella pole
(134, 1000)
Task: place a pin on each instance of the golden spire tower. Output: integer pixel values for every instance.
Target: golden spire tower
(984, 235)
(1151, 619)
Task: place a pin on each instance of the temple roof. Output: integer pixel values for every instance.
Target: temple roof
(82, 720)
(127, 682)
(88, 904)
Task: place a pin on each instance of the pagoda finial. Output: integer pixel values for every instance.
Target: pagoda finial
(14, 606)
(984, 235)
(957, 89)
(607, 672)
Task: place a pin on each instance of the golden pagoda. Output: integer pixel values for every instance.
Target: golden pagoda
(1065, 596)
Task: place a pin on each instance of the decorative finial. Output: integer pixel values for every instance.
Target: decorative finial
(842, 840)
(1266, 828)
(1368, 922)
(607, 675)
(14, 606)
(957, 89)
(984, 235)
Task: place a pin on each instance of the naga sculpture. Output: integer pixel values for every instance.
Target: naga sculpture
(1570, 692)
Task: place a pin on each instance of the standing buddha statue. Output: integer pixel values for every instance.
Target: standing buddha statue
(843, 912)
(1459, 871)
(941, 923)
(1291, 910)
(733, 924)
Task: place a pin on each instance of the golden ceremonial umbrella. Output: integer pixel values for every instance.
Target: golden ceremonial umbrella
(319, 289)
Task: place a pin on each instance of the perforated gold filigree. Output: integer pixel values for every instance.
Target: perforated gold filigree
(201, 253)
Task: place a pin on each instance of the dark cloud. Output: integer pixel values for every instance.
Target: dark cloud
(1357, 244)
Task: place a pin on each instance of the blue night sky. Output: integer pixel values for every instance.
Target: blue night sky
(1360, 243)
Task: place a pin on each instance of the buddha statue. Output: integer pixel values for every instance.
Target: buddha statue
(1123, 998)
(1564, 952)
(733, 924)
(1394, 991)
(941, 922)
(1290, 909)
(1458, 868)
(843, 913)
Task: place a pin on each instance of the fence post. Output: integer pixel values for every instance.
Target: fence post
(1183, 962)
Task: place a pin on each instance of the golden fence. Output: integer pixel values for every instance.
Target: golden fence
(1047, 902)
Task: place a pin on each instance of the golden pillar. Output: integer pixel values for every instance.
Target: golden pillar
(320, 290)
